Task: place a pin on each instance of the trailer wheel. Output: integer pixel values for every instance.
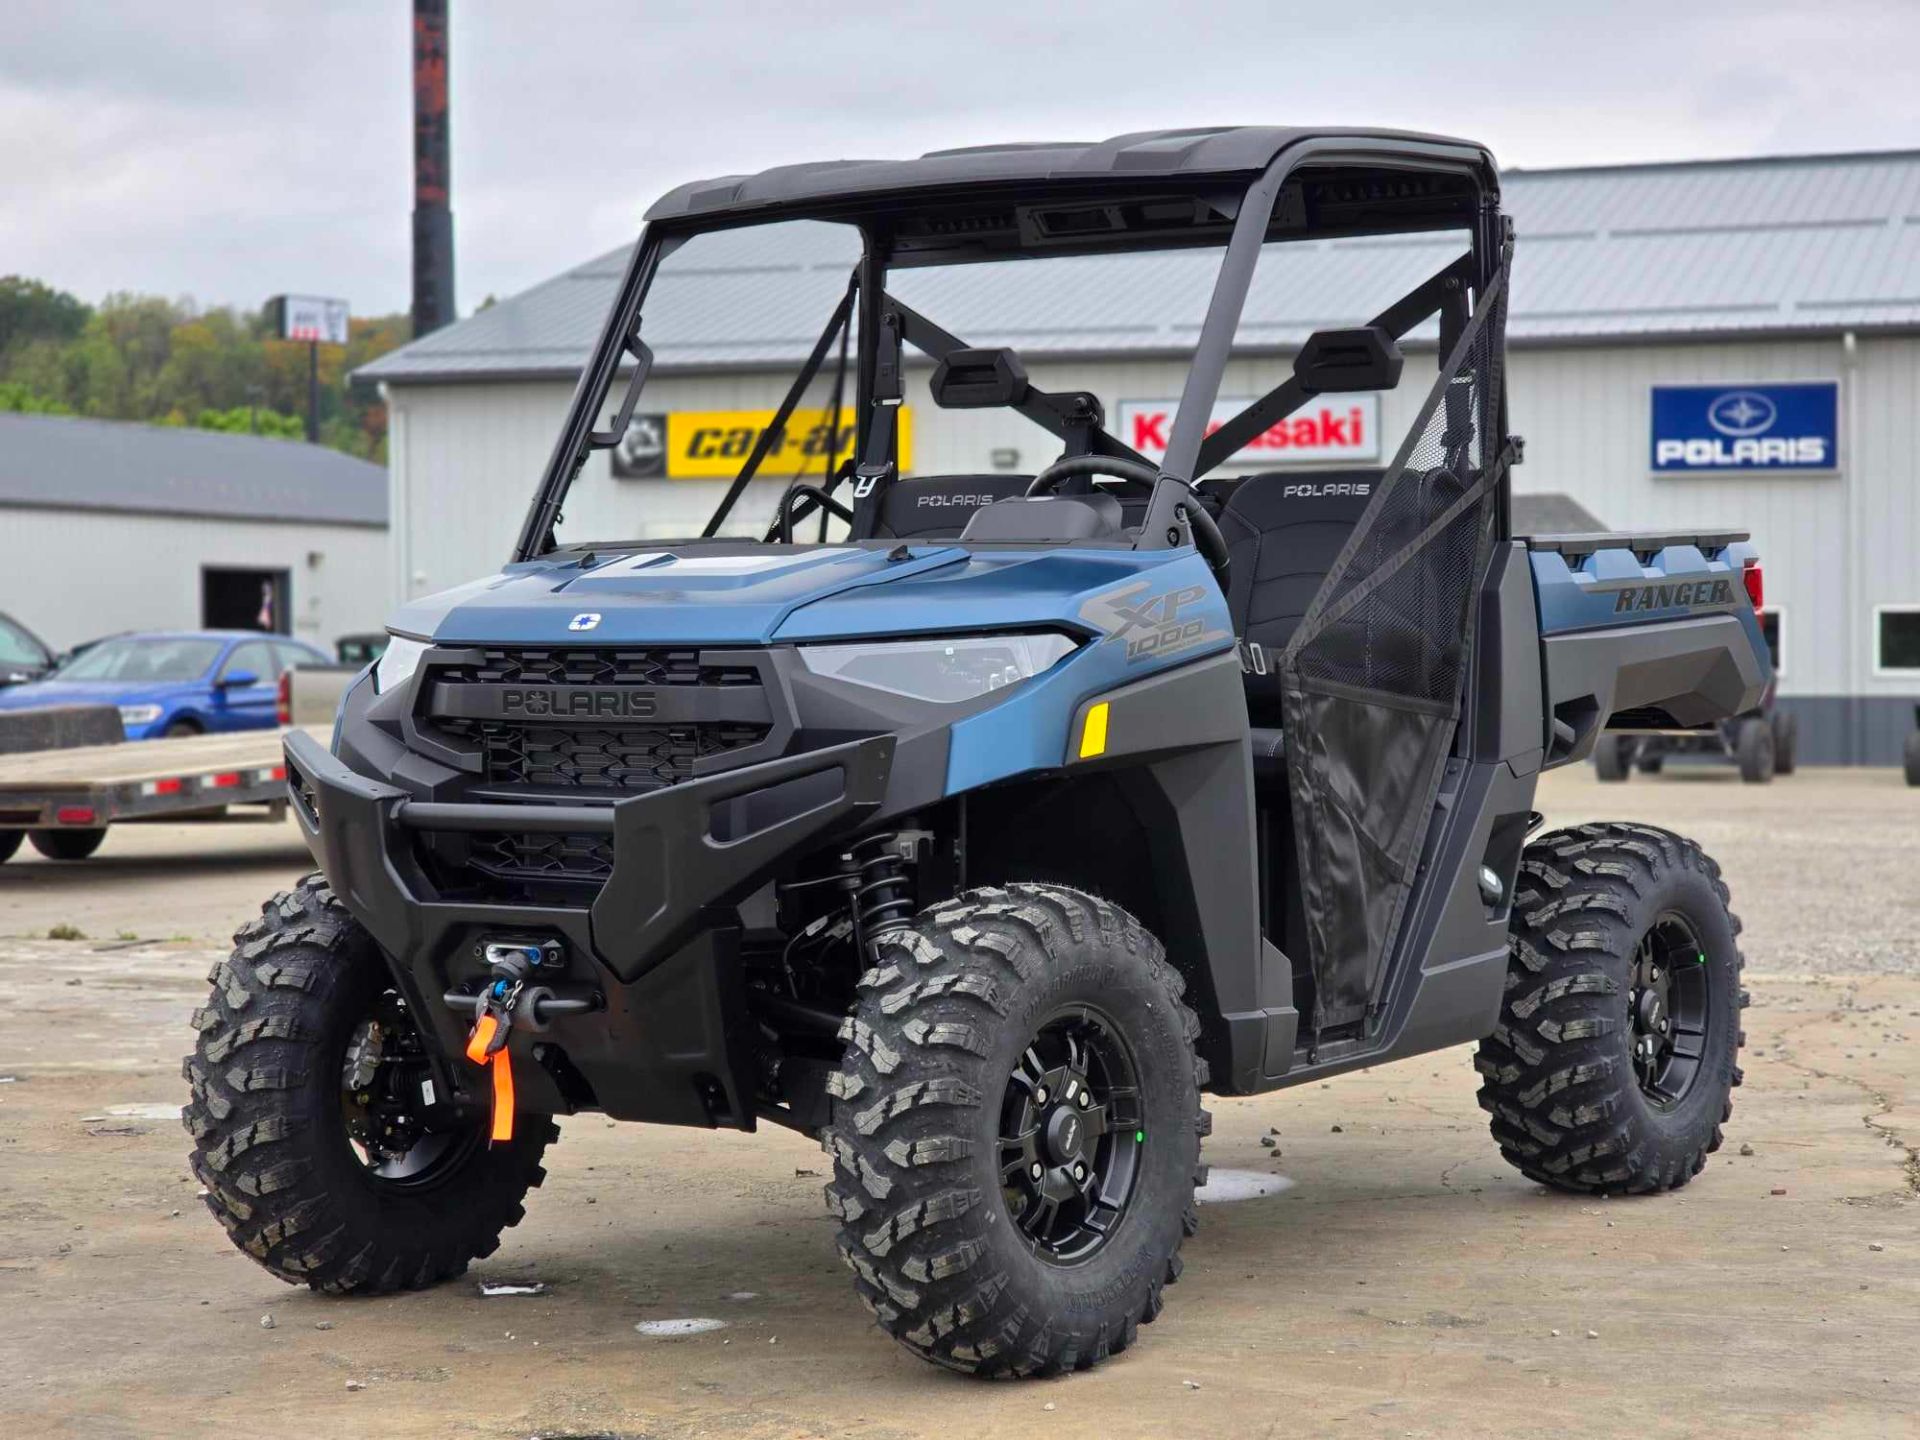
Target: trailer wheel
(1612, 1068)
(1016, 1132)
(1611, 760)
(67, 844)
(313, 1130)
(1753, 747)
(9, 843)
(1913, 758)
(1786, 742)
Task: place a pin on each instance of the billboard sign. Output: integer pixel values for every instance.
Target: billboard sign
(311, 317)
(1708, 428)
(1334, 427)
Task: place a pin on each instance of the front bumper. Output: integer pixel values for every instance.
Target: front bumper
(654, 940)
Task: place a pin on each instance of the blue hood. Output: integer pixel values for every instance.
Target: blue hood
(658, 597)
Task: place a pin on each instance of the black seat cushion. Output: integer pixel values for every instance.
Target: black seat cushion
(938, 507)
(1284, 529)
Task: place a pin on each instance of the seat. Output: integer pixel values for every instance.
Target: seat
(1284, 529)
(938, 507)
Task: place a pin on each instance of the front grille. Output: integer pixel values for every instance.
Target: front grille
(596, 667)
(543, 857)
(631, 759)
(610, 761)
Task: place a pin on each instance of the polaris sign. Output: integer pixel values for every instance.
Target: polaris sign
(1746, 427)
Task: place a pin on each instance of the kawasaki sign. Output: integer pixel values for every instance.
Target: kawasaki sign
(1746, 427)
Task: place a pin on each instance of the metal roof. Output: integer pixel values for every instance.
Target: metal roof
(1783, 245)
(61, 462)
(1141, 155)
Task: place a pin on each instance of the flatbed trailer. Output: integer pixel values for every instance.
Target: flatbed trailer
(88, 788)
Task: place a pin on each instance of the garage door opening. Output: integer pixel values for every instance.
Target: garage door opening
(235, 599)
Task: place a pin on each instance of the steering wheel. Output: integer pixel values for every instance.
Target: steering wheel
(1133, 472)
(1207, 538)
(782, 527)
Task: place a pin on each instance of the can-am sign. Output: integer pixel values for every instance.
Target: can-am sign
(1339, 427)
(1746, 427)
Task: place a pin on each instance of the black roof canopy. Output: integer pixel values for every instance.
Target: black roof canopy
(1362, 180)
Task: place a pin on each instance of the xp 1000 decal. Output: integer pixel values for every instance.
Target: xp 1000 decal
(1156, 623)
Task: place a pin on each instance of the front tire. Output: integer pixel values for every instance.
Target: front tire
(1786, 742)
(1016, 1132)
(1912, 758)
(1612, 1069)
(67, 844)
(281, 1138)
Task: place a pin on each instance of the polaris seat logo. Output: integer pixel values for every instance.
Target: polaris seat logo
(972, 502)
(576, 702)
(1328, 490)
(1746, 427)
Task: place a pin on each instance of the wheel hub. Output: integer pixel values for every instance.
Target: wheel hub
(1070, 1136)
(1667, 1009)
(394, 1124)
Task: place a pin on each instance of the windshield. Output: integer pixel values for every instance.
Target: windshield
(163, 659)
(779, 382)
(17, 647)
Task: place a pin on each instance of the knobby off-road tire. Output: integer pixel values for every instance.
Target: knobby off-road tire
(67, 844)
(1786, 742)
(1911, 758)
(1560, 1078)
(9, 843)
(270, 1138)
(928, 1224)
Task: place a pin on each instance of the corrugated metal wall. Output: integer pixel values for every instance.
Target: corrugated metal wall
(74, 575)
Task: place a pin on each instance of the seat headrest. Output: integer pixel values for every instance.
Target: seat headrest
(944, 503)
(1276, 498)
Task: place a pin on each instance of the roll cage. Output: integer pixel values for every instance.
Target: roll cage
(999, 204)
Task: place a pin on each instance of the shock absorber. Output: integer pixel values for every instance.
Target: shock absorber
(874, 874)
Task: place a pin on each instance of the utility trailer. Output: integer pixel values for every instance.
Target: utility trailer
(63, 801)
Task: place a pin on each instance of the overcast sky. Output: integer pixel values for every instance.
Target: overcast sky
(229, 152)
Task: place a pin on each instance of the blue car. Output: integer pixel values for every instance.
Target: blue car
(184, 683)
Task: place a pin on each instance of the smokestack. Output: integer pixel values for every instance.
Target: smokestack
(432, 171)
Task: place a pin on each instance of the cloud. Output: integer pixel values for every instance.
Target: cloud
(232, 152)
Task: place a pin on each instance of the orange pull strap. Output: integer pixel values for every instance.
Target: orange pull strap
(502, 1062)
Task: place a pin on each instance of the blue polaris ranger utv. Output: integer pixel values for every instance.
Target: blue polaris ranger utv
(982, 825)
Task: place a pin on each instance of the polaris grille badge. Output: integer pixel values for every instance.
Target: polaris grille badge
(588, 621)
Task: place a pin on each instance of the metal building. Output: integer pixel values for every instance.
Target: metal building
(108, 526)
(1716, 344)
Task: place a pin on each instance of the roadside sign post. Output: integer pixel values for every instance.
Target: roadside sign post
(318, 321)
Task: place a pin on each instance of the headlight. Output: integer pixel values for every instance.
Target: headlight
(397, 665)
(952, 669)
(131, 715)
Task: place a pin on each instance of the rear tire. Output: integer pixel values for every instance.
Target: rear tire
(270, 1124)
(1576, 1103)
(66, 844)
(1912, 758)
(10, 843)
(1786, 742)
(1611, 760)
(1753, 747)
(180, 729)
(958, 1249)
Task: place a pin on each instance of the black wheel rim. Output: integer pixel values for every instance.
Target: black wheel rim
(1668, 1010)
(1071, 1128)
(399, 1129)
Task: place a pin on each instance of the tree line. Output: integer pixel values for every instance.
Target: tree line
(170, 362)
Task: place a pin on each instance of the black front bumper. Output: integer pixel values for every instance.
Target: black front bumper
(654, 948)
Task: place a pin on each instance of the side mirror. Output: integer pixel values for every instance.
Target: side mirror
(235, 679)
(1338, 361)
(977, 379)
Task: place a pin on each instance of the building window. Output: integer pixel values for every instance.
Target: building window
(1896, 639)
(1772, 629)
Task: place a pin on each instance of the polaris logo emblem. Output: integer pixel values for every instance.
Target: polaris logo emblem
(1319, 492)
(588, 621)
(1686, 595)
(970, 501)
(569, 702)
(1741, 414)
